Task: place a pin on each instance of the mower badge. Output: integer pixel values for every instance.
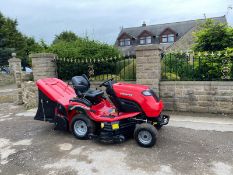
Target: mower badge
(125, 94)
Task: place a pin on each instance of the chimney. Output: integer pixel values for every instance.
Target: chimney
(144, 24)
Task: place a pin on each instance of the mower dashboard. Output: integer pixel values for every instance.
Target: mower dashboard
(106, 83)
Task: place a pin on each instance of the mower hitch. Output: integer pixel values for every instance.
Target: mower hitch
(164, 119)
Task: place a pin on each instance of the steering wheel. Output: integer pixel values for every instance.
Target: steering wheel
(105, 82)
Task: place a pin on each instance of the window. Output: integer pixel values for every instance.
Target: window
(168, 38)
(148, 40)
(145, 40)
(164, 38)
(124, 42)
(171, 38)
(142, 40)
(127, 42)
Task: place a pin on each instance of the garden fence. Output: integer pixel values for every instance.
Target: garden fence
(200, 66)
(97, 69)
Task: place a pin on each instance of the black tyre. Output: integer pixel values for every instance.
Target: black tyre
(81, 126)
(145, 135)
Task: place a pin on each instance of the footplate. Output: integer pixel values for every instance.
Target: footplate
(106, 138)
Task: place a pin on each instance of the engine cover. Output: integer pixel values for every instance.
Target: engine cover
(127, 93)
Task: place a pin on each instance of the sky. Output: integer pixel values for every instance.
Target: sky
(102, 19)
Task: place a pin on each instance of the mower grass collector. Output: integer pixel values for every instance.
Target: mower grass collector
(134, 110)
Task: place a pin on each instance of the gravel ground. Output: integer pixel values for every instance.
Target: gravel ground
(189, 145)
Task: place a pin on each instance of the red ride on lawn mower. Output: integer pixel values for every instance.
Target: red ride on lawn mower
(134, 110)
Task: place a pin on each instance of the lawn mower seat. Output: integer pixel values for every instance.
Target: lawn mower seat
(81, 86)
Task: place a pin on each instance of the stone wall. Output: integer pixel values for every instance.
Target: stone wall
(43, 65)
(197, 96)
(8, 94)
(27, 76)
(6, 79)
(30, 94)
(15, 67)
(148, 65)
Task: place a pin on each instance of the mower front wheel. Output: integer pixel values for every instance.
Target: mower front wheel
(145, 134)
(81, 126)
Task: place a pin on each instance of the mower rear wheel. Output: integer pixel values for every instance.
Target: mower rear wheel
(81, 126)
(145, 135)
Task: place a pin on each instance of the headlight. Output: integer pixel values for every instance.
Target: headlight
(147, 93)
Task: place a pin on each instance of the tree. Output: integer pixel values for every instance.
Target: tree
(213, 36)
(5, 52)
(7, 33)
(67, 36)
(11, 40)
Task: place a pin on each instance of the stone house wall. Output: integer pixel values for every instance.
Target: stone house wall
(185, 42)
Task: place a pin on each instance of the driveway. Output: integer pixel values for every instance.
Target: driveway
(189, 145)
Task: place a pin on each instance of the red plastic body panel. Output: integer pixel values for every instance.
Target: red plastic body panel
(57, 90)
(102, 112)
(133, 92)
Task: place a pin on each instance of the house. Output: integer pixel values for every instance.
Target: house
(174, 36)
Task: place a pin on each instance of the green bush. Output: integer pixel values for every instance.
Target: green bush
(83, 48)
(170, 76)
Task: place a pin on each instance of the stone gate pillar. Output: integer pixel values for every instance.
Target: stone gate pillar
(148, 65)
(43, 65)
(15, 67)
